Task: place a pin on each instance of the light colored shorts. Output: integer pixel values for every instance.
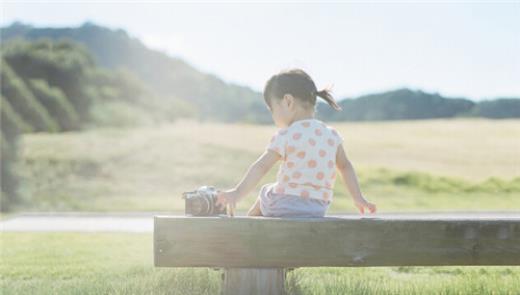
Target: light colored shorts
(281, 205)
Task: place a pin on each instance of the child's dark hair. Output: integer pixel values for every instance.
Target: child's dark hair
(300, 85)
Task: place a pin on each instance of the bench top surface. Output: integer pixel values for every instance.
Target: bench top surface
(378, 216)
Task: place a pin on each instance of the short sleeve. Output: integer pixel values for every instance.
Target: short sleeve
(338, 137)
(278, 142)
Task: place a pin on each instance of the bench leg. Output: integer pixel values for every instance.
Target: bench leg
(268, 281)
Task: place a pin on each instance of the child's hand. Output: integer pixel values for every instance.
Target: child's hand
(227, 197)
(361, 204)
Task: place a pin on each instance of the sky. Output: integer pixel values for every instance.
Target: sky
(456, 49)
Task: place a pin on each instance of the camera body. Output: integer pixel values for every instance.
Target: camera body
(201, 202)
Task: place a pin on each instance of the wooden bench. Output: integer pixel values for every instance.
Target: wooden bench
(255, 251)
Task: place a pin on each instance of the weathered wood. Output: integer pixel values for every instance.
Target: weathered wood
(254, 281)
(335, 241)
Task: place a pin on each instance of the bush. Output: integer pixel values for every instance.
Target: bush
(12, 123)
(24, 102)
(56, 104)
(9, 182)
(62, 64)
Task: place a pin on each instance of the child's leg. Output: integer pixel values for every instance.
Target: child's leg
(255, 209)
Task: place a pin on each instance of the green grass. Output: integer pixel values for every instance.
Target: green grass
(406, 280)
(68, 263)
(74, 263)
(147, 169)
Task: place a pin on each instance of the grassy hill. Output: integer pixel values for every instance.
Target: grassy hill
(167, 76)
(402, 166)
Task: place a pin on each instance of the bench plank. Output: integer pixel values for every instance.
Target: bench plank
(256, 242)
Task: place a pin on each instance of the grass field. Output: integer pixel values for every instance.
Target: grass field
(69, 263)
(402, 166)
(436, 165)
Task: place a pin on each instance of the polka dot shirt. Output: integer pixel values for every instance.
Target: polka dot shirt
(308, 149)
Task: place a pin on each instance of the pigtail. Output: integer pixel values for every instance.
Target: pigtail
(298, 83)
(325, 93)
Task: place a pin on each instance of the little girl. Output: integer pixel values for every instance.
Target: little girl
(310, 152)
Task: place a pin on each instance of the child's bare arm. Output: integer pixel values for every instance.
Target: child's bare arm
(349, 177)
(256, 171)
(254, 174)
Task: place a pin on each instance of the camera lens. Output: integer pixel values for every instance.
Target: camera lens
(200, 206)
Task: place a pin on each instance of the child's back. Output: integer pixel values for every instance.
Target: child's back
(308, 149)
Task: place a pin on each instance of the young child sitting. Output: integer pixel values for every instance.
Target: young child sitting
(310, 152)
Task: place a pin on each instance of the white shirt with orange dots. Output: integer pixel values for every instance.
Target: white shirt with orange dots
(308, 150)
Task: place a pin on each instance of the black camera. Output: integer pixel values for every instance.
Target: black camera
(201, 202)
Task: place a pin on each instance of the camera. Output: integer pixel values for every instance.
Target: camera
(201, 202)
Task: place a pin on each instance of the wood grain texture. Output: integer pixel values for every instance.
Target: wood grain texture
(251, 281)
(256, 242)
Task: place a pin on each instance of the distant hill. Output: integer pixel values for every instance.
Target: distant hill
(167, 76)
(409, 104)
(172, 78)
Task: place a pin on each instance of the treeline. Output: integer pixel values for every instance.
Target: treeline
(406, 104)
(204, 96)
